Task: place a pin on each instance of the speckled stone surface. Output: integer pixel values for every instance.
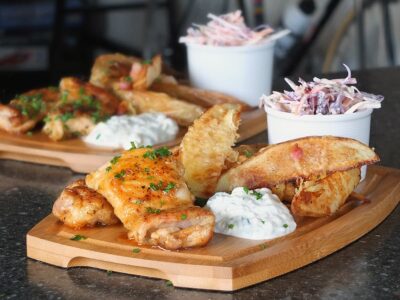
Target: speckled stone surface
(367, 269)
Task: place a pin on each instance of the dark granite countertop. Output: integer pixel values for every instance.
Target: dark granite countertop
(367, 269)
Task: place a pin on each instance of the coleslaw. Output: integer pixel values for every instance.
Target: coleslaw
(226, 30)
(322, 96)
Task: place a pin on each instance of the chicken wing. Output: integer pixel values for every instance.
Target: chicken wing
(146, 101)
(25, 111)
(82, 105)
(149, 196)
(79, 206)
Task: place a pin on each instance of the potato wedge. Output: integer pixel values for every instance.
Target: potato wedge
(325, 196)
(145, 101)
(309, 158)
(207, 147)
(196, 96)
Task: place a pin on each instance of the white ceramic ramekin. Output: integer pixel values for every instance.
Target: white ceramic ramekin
(283, 126)
(244, 72)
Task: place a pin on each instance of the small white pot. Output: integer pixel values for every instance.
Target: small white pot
(283, 126)
(244, 72)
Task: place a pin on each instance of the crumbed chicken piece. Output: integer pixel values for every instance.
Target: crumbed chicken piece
(79, 206)
(82, 105)
(25, 111)
(182, 112)
(146, 189)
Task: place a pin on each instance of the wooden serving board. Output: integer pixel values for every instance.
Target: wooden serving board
(226, 263)
(83, 158)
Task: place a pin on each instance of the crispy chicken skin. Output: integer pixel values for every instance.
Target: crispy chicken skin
(25, 111)
(80, 206)
(182, 112)
(82, 105)
(146, 189)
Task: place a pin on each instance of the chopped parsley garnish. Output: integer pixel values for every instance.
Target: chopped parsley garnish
(65, 117)
(262, 221)
(120, 175)
(161, 152)
(98, 136)
(108, 169)
(257, 195)
(230, 226)
(285, 225)
(133, 146)
(156, 187)
(64, 97)
(247, 153)
(146, 62)
(47, 119)
(128, 78)
(115, 159)
(138, 202)
(169, 187)
(152, 210)
(263, 246)
(169, 283)
(109, 272)
(78, 237)
(246, 189)
(183, 216)
(29, 133)
(30, 105)
(136, 250)
(81, 91)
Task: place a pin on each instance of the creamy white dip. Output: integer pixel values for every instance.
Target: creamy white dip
(144, 129)
(255, 215)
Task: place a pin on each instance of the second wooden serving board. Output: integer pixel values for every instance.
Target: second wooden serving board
(83, 158)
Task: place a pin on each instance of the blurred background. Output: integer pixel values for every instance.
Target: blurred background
(43, 40)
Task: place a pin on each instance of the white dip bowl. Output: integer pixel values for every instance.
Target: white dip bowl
(244, 72)
(283, 126)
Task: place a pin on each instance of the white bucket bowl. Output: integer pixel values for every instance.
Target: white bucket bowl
(283, 126)
(244, 72)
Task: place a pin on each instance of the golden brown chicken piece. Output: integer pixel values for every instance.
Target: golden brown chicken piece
(149, 196)
(325, 196)
(82, 105)
(146, 101)
(206, 149)
(25, 111)
(129, 72)
(79, 206)
(110, 68)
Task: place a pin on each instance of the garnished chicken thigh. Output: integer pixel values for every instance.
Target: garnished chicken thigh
(25, 111)
(146, 189)
(82, 105)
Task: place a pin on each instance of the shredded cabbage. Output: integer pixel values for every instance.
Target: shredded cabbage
(226, 30)
(322, 96)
